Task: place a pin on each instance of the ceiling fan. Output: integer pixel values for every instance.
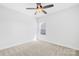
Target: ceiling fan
(39, 8)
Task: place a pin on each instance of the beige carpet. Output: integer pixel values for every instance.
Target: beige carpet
(38, 48)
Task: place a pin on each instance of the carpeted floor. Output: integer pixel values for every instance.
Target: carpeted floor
(38, 48)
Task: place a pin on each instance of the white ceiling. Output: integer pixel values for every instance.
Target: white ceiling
(20, 7)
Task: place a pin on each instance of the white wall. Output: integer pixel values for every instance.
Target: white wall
(63, 27)
(15, 28)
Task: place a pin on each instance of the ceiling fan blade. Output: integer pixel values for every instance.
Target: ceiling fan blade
(48, 6)
(44, 11)
(30, 8)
